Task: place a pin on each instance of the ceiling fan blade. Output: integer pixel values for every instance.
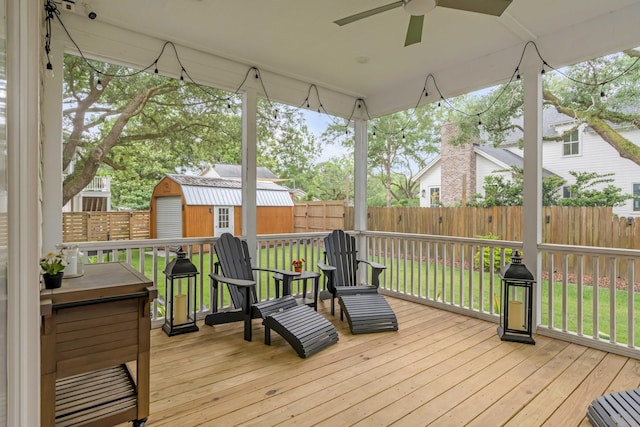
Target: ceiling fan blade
(414, 32)
(368, 13)
(488, 7)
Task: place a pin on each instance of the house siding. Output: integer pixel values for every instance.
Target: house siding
(595, 156)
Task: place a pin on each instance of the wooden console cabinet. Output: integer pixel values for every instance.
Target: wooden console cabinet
(95, 348)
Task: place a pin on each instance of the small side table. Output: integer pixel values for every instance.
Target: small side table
(304, 276)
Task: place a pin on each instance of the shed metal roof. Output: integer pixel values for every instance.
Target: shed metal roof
(207, 191)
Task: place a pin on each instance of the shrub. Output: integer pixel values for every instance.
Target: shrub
(486, 255)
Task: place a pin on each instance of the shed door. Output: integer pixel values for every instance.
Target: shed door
(222, 220)
(168, 217)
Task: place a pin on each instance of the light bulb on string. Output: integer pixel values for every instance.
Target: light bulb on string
(479, 121)
(49, 71)
(404, 138)
(229, 103)
(275, 114)
(156, 69)
(603, 95)
(374, 133)
(517, 74)
(182, 75)
(99, 85)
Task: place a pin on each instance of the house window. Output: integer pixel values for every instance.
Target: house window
(434, 196)
(636, 197)
(571, 144)
(223, 218)
(566, 192)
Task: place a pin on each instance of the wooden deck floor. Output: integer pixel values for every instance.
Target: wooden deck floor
(440, 369)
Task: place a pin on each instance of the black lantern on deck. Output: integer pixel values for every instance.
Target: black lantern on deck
(180, 295)
(516, 297)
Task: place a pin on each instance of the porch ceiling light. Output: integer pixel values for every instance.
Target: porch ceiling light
(419, 7)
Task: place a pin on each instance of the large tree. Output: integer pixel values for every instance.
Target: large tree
(399, 143)
(131, 123)
(138, 128)
(578, 96)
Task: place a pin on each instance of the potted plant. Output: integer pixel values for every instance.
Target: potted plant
(297, 264)
(52, 265)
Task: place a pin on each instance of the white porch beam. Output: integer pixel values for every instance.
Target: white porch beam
(23, 20)
(249, 173)
(532, 193)
(105, 42)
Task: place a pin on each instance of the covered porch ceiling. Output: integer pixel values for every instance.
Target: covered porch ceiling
(296, 43)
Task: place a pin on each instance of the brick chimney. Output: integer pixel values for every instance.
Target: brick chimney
(458, 175)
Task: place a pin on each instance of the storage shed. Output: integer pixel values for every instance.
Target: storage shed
(197, 206)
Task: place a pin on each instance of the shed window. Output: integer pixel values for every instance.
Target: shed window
(636, 197)
(223, 218)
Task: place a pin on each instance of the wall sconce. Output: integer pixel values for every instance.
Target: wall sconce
(424, 193)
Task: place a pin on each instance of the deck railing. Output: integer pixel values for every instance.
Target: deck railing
(456, 274)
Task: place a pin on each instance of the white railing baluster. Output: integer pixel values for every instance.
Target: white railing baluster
(631, 280)
(612, 299)
(580, 316)
(565, 292)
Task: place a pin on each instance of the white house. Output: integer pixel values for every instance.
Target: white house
(459, 172)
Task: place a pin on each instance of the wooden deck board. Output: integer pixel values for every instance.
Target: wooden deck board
(440, 368)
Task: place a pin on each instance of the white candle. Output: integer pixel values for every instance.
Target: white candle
(179, 309)
(515, 315)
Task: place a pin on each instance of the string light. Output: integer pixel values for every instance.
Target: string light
(51, 11)
(49, 71)
(603, 95)
(404, 138)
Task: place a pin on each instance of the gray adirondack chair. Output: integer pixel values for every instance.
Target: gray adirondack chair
(302, 327)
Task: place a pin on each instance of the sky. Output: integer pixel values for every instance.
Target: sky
(317, 124)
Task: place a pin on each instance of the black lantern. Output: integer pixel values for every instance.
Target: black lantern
(180, 295)
(516, 297)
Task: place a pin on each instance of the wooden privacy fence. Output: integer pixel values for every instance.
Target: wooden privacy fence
(102, 226)
(579, 226)
(311, 217)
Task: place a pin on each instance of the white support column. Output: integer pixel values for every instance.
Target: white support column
(249, 148)
(532, 194)
(360, 185)
(23, 131)
(52, 148)
(360, 176)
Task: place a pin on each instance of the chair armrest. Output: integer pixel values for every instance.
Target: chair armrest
(231, 281)
(284, 273)
(373, 265)
(376, 269)
(326, 267)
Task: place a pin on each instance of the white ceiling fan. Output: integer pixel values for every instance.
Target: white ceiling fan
(418, 8)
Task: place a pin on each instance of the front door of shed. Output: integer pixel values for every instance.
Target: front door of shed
(223, 220)
(168, 217)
